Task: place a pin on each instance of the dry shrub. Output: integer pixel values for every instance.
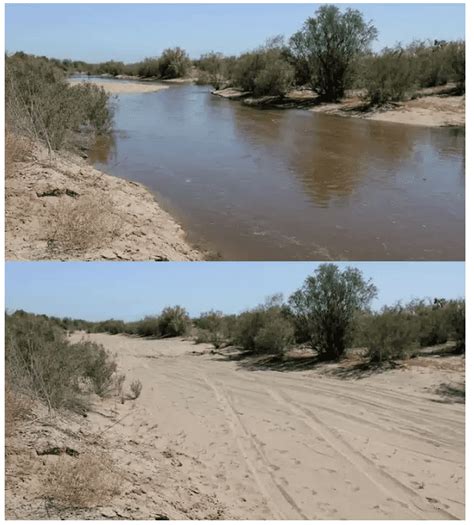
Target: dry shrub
(16, 150)
(17, 409)
(136, 388)
(85, 481)
(82, 223)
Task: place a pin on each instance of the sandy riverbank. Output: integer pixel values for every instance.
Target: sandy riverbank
(64, 209)
(115, 88)
(211, 436)
(434, 108)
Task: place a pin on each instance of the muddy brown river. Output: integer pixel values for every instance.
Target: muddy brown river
(251, 184)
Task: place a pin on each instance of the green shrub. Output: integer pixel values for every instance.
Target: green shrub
(40, 362)
(457, 323)
(112, 326)
(150, 67)
(391, 334)
(212, 328)
(174, 63)
(41, 105)
(389, 76)
(96, 364)
(173, 321)
(264, 71)
(149, 327)
(212, 68)
(266, 329)
(275, 336)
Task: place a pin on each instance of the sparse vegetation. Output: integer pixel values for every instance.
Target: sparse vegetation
(82, 482)
(81, 223)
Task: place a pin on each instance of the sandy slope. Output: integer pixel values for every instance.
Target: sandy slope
(291, 445)
(121, 220)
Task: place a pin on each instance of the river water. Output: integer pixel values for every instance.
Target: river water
(250, 184)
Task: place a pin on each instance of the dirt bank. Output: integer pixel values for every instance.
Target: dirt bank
(431, 111)
(123, 87)
(64, 209)
(263, 444)
(433, 108)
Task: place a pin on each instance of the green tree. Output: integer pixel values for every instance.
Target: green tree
(329, 43)
(326, 306)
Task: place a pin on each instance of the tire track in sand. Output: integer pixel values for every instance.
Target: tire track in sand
(280, 503)
(392, 487)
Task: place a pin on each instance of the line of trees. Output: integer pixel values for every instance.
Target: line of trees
(330, 54)
(329, 314)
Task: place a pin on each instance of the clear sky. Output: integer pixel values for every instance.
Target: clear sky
(130, 32)
(129, 291)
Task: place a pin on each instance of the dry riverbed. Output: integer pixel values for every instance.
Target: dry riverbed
(61, 208)
(212, 436)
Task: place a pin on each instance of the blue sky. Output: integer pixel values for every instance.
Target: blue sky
(130, 32)
(129, 291)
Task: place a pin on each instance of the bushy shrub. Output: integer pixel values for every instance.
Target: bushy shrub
(148, 327)
(174, 63)
(136, 388)
(42, 363)
(264, 71)
(173, 321)
(95, 364)
(389, 76)
(150, 67)
(112, 326)
(457, 321)
(391, 334)
(265, 329)
(431, 63)
(456, 52)
(41, 105)
(213, 328)
(212, 68)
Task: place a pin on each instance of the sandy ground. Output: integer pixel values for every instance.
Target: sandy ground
(432, 109)
(262, 444)
(65, 209)
(123, 87)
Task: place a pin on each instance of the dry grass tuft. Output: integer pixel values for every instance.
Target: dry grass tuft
(82, 482)
(136, 388)
(82, 223)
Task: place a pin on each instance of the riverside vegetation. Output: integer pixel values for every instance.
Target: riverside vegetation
(328, 315)
(330, 55)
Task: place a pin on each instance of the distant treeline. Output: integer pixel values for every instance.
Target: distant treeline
(330, 54)
(329, 314)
